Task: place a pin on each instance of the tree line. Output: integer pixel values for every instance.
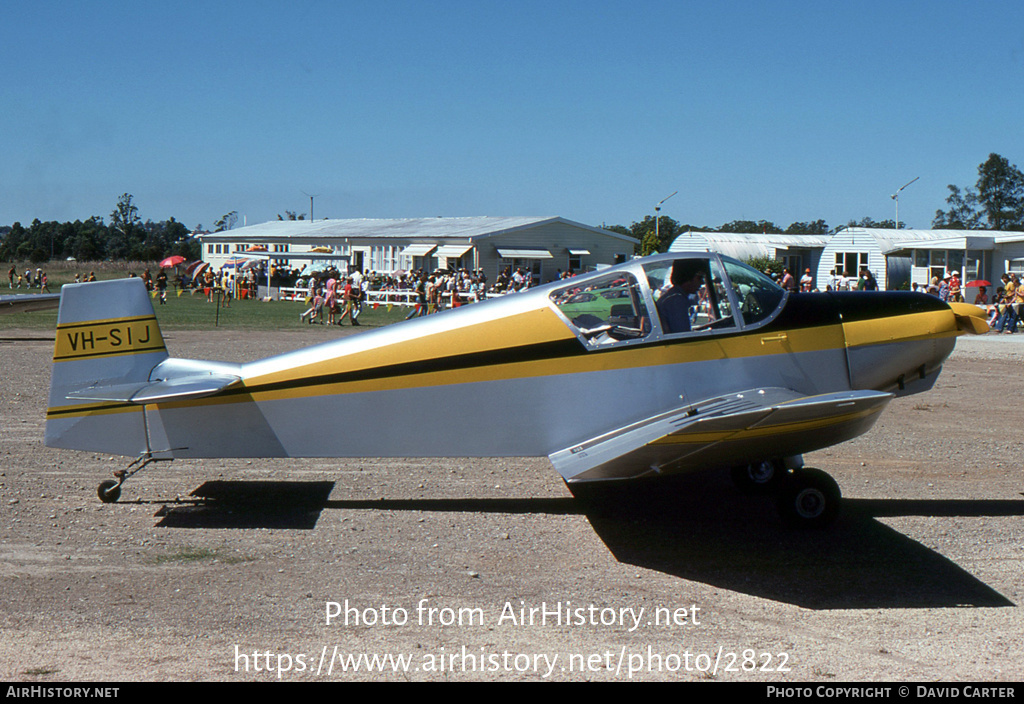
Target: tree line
(995, 202)
(126, 237)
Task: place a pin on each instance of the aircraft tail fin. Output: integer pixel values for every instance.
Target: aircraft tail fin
(107, 334)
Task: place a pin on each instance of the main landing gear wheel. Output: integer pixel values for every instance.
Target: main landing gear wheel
(763, 477)
(810, 499)
(109, 491)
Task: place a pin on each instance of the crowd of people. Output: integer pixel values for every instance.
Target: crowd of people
(39, 280)
(1005, 310)
(332, 297)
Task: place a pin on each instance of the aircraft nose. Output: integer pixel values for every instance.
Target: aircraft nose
(896, 340)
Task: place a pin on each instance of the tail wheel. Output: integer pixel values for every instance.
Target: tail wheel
(763, 477)
(109, 491)
(810, 499)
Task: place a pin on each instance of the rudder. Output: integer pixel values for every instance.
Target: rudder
(107, 333)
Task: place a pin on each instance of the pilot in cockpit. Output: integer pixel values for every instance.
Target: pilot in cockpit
(674, 305)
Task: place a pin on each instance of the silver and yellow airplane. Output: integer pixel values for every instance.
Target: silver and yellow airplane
(660, 365)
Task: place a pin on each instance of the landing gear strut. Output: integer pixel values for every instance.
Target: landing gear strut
(764, 477)
(109, 490)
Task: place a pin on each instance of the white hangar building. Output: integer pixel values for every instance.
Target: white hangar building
(797, 252)
(543, 245)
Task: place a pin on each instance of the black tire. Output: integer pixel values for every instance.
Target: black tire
(109, 491)
(810, 499)
(764, 477)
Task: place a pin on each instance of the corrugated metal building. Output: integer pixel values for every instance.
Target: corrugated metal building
(798, 252)
(543, 245)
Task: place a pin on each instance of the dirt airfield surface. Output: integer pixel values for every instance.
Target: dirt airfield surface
(490, 569)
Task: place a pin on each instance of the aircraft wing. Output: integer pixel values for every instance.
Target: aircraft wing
(22, 303)
(143, 392)
(737, 428)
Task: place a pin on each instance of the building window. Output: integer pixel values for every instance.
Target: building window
(851, 262)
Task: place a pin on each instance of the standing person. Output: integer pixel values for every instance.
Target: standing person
(788, 281)
(161, 286)
(807, 281)
(225, 284)
(346, 299)
(433, 294)
(208, 285)
(870, 284)
(1014, 304)
(352, 294)
(331, 301)
(954, 287)
(10, 275)
(360, 285)
(421, 298)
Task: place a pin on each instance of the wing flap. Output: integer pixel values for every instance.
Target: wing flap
(755, 424)
(146, 392)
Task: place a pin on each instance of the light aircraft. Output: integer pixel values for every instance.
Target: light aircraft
(599, 373)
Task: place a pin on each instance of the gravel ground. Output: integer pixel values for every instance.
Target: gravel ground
(227, 570)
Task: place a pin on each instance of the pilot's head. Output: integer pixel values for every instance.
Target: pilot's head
(688, 274)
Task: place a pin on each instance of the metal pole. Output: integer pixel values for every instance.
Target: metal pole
(896, 197)
(657, 217)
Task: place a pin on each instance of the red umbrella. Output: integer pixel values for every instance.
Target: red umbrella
(172, 261)
(977, 282)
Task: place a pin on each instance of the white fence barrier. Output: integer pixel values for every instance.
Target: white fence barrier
(394, 298)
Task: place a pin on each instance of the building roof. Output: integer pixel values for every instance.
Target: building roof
(892, 241)
(740, 245)
(464, 228)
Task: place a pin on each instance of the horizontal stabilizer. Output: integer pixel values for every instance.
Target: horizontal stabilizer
(23, 303)
(144, 392)
(778, 422)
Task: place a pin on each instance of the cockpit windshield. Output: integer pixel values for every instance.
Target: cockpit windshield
(689, 294)
(605, 309)
(758, 296)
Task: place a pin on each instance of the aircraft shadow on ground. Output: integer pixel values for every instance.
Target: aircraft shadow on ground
(227, 504)
(298, 505)
(696, 527)
(699, 528)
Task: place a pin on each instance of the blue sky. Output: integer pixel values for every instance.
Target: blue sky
(591, 110)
